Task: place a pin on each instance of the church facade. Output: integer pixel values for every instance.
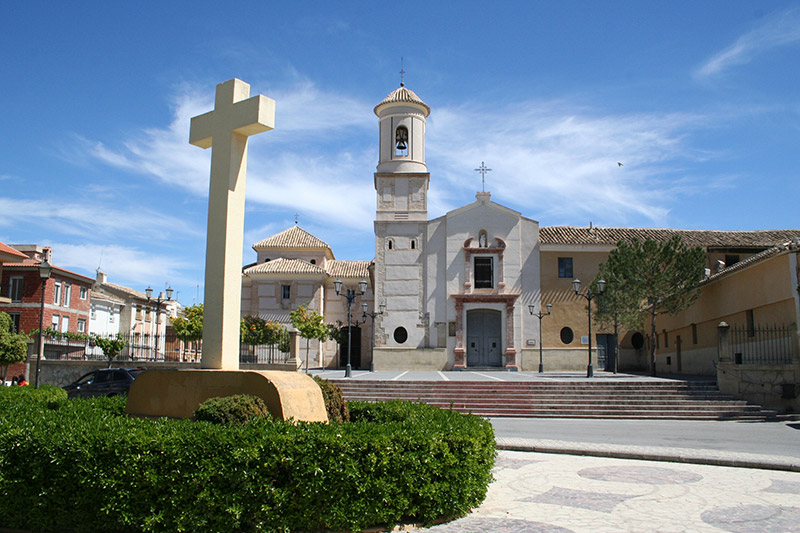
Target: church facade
(464, 290)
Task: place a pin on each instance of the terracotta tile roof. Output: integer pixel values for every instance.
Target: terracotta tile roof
(279, 316)
(792, 245)
(401, 95)
(127, 291)
(348, 269)
(294, 237)
(29, 263)
(282, 265)
(705, 238)
(10, 253)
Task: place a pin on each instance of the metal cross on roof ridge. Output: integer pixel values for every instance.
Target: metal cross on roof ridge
(483, 170)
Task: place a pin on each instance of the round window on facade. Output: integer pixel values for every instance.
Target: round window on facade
(567, 336)
(400, 335)
(637, 341)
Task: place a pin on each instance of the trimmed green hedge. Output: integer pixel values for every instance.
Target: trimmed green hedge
(81, 465)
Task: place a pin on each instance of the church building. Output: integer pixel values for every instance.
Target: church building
(464, 290)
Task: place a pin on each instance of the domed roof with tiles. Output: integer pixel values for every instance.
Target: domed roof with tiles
(403, 95)
(294, 237)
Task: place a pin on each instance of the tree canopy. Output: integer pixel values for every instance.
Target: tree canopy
(647, 278)
(310, 324)
(13, 345)
(189, 327)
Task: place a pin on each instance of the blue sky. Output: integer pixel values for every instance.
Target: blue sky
(698, 100)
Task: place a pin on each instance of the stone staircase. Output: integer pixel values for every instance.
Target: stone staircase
(678, 400)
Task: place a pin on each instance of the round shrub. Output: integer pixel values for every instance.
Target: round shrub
(238, 409)
(335, 403)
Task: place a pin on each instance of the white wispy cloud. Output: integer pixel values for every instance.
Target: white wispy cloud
(555, 161)
(549, 159)
(776, 30)
(94, 220)
(128, 266)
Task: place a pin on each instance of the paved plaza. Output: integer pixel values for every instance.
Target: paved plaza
(538, 492)
(577, 475)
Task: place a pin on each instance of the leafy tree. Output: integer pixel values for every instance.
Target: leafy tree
(310, 324)
(13, 345)
(111, 346)
(189, 327)
(644, 279)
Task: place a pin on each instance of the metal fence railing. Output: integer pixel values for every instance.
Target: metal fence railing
(141, 348)
(762, 344)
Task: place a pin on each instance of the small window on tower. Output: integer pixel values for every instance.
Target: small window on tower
(401, 140)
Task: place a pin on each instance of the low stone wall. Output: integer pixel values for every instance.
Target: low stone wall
(414, 359)
(765, 385)
(61, 373)
(557, 360)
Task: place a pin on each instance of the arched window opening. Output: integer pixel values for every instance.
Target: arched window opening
(413, 244)
(389, 244)
(401, 140)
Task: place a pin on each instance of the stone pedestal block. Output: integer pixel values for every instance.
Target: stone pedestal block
(178, 393)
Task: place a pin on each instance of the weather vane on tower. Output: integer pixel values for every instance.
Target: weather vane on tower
(402, 73)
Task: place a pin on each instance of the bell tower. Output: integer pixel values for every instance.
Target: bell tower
(401, 184)
(402, 177)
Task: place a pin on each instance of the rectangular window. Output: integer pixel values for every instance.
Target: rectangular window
(84, 293)
(484, 272)
(15, 289)
(111, 315)
(286, 292)
(93, 313)
(54, 323)
(67, 294)
(81, 326)
(694, 333)
(751, 323)
(57, 293)
(565, 267)
(14, 322)
(64, 324)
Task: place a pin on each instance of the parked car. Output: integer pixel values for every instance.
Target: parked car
(104, 382)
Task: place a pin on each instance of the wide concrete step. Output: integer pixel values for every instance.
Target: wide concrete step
(667, 400)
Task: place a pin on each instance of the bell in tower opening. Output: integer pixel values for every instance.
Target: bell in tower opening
(401, 141)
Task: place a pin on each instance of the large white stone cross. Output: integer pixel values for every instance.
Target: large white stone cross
(234, 119)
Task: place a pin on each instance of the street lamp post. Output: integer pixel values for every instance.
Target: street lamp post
(149, 292)
(44, 272)
(540, 315)
(601, 286)
(350, 295)
(372, 315)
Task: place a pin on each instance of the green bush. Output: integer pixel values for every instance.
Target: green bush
(44, 394)
(83, 467)
(238, 409)
(335, 403)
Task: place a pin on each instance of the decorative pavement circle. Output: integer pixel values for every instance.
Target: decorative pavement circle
(754, 518)
(652, 475)
(471, 524)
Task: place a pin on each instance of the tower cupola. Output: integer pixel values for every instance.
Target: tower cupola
(401, 120)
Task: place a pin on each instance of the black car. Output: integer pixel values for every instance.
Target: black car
(105, 382)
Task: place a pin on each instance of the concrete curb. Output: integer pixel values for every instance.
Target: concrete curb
(654, 453)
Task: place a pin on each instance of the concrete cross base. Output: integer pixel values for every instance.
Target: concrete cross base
(178, 393)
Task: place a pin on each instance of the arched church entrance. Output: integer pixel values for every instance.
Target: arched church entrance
(484, 336)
